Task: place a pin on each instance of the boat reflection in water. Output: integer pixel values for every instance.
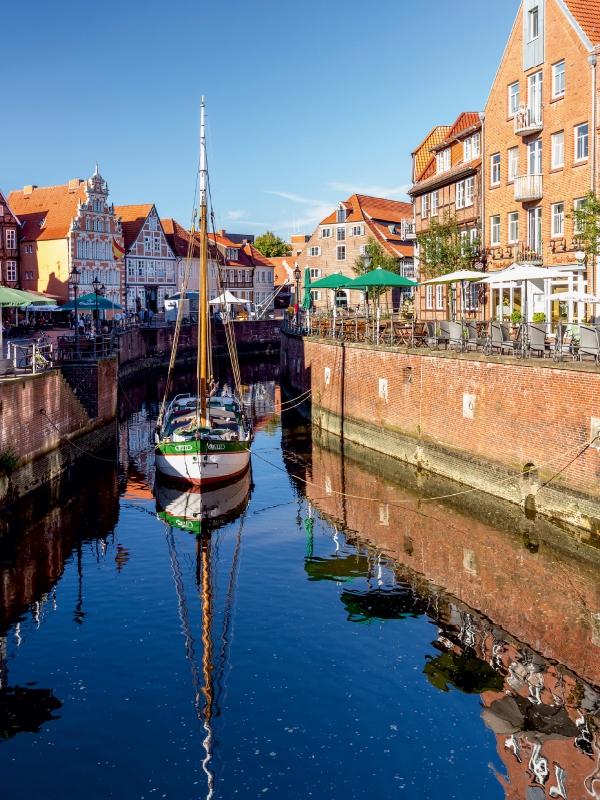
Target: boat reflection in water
(529, 653)
(202, 511)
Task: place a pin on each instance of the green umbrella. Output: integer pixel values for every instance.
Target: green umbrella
(335, 281)
(307, 299)
(12, 298)
(380, 277)
(88, 301)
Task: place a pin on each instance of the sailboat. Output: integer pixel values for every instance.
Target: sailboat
(204, 438)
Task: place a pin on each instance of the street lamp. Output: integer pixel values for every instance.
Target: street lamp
(297, 275)
(96, 288)
(74, 280)
(367, 260)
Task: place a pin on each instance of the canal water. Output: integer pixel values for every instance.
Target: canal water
(343, 627)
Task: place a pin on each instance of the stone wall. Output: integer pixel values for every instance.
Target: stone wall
(480, 420)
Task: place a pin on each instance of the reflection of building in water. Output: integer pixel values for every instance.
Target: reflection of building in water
(532, 579)
(263, 399)
(136, 453)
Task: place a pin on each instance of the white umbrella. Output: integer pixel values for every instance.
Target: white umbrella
(226, 297)
(573, 297)
(458, 276)
(525, 273)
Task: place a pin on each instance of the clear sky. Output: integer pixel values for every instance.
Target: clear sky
(307, 102)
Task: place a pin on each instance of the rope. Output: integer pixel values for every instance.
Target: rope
(44, 413)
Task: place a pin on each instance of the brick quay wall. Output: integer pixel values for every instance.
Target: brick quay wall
(501, 425)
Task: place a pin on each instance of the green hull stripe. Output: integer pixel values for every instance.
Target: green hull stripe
(201, 447)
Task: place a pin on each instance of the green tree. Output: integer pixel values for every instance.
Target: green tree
(444, 248)
(587, 226)
(379, 258)
(272, 246)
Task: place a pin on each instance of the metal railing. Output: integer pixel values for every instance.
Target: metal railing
(529, 120)
(529, 253)
(32, 357)
(87, 348)
(529, 187)
(408, 229)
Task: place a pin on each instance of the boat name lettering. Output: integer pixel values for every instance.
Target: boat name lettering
(183, 448)
(216, 446)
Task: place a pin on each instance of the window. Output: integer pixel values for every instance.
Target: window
(247, 275)
(171, 271)
(88, 224)
(240, 279)
(147, 244)
(534, 150)
(1, 210)
(157, 244)
(513, 227)
(533, 24)
(495, 169)
(439, 297)
(325, 233)
(464, 241)
(429, 298)
(96, 205)
(341, 234)
(434, 203)
(315, 294)
(269, 277)
(460, 194)
(141, 269)
(160, 270)
(341, 252)
(558, 150)
(476, 146)
(469, 191)
(152, 223)
(467, 149)
(443, 160)
(513, 163)
(341, 215)
(11, 239)
(513, 98)
(232, 276)
(425, 206)
(357, 230)
(232, 254)
(315, 273)
(151, 270)
(472, 297)
(535, 229)
(495, 229)
(581, 142)
(558, 219)
(130, 269)
(558, 79)
(578, 204)
(314, 251)
(11, 270)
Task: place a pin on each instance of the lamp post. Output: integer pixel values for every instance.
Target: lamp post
(367, 260)
(96, 288)
(74, 280)
(297, 275)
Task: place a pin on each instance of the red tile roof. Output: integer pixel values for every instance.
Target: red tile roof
(442, 178)
(55, 206)
(465, 120)
(422, 154)
(363, 207)
(133, 218)
(179, 239)
(587, 14)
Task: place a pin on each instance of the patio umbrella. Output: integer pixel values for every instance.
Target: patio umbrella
(573, 297)
(88, 301)
(333, 282)
(307, 299)
(224, 299)
(12, 298)
(380, 277)
(525, 273)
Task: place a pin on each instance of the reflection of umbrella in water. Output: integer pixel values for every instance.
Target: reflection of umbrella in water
(24, 710)
(467, 674)
(339, 570)
(382, 604)
(538, 722)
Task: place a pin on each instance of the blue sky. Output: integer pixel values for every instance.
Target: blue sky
(307, 103)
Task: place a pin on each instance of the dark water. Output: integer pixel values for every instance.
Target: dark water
(334, 635)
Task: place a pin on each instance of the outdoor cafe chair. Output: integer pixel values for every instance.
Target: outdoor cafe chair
(589, 343)
(537, 340)
(473, 338)
(564, 342)
(500, 339)
(436, 334)
(455, 335)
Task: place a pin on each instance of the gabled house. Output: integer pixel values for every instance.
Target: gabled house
(245, 272)
(340, 240)
(149, 259)
(187, 250)
(66, 226)
(9, 245)
(447, 185)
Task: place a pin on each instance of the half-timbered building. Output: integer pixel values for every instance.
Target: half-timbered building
(9, 245)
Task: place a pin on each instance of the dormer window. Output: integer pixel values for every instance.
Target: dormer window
(232, 254)
(443, 160)
(341, 215)
(42, 222)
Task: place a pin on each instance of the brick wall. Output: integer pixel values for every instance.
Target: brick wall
(476, 419)
(95, 384)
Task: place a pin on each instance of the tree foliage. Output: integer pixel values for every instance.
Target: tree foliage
(379, 258)
(587, 225)
(444, 248)
(272, 246)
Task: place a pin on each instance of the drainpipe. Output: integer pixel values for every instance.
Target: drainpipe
(482, 199)
(592, 58)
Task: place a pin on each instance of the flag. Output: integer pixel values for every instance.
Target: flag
(118, 251)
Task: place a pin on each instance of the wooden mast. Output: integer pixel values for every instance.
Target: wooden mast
(202, 370)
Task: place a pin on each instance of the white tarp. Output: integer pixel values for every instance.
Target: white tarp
(226, 299)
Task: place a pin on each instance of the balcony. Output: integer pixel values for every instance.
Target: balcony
(529, 253)
(528, 187)
(408, 230)
(528, 120)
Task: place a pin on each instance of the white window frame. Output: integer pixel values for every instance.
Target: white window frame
(340, 234)
(513, 227)
(577, 203)
(356, 230)
(534, 157)
(558, 220)
(495, 169)
(11, 270)
(513, 99)
(533, 31)
(467, 149)
(495, 230)
(469, 191)
(439, 297)
(558, 149)
(476, 146)
(513, 163)
(325, 233)
(315, 294)
(314, 251)
(340, 252)
(558, 91)
(424, 206)
(429, 298)
(11, 239)
(579, 137)
(315, 273)
(435, 201)
(460, 194)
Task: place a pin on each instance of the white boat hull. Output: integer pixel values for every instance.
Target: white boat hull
(204, 468)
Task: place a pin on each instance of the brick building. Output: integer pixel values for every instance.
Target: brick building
(447, 184)
(72, 225)
(9, 246)
(540, 151)
(150, 261)
(340, 240)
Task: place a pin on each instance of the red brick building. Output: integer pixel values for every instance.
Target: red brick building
(447, 184)
(540, 152)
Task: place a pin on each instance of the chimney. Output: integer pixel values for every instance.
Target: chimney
(221, 233)
(28, 190)
(75, 184)
(244, 241)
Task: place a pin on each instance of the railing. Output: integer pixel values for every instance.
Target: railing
(529, 187)
(87, 348)
(31, 357)
(529, 120)
(408, 229)
(529, 253)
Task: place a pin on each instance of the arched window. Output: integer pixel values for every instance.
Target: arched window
(341, 298)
